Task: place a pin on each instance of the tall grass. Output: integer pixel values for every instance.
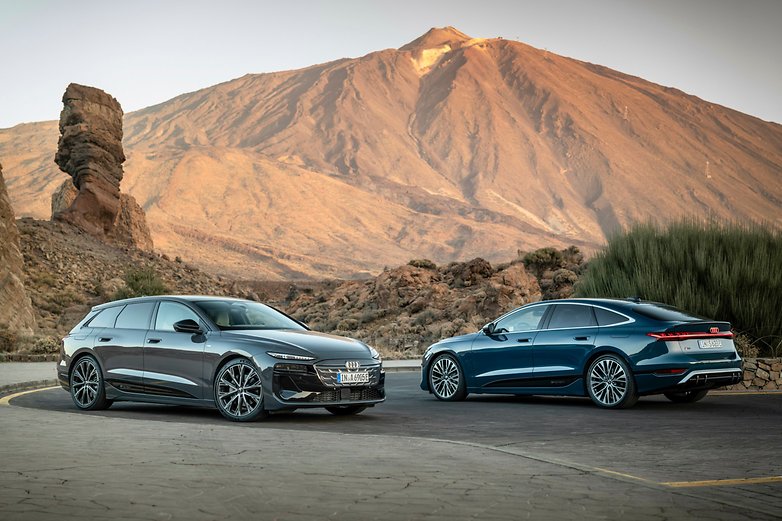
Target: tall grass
(725, 271)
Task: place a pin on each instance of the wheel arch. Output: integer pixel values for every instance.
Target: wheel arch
(78, 355)
(597, 353)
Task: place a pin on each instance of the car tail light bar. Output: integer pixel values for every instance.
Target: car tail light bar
(684, 335)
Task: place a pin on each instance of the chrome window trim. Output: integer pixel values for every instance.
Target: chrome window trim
(629, 320)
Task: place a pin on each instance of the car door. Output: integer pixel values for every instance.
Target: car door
(564, 343)
(504, 358)
(120, 347)
(173, 362)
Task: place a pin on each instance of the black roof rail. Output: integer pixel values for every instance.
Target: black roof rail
(635, 299)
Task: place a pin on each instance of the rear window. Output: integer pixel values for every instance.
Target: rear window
(135, 316)
(666, 313)
(608, 318)
(106, 317)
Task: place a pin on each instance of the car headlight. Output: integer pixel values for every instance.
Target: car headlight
(287, 356)
(373, 352)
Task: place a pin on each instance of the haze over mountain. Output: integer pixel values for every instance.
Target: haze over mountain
(449, 147)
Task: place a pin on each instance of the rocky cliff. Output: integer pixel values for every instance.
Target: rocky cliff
(403, 310)
(16, 312)
(90, 151)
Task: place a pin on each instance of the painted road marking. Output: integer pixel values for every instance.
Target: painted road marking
(5, 401)
(745, 393)
(722, 482)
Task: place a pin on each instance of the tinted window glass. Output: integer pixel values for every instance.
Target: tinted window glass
(608, 318)
(135, 316)
(523, 320)
(241, 314)
(571, 315)
(666, 313)
(170, 312)
(106, 317)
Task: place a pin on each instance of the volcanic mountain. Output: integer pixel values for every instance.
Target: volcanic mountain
(449, 147)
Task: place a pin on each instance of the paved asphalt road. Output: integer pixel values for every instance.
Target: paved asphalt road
(409, 458)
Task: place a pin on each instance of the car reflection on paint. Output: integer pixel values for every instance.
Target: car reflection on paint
(243, 357)
(610, 350)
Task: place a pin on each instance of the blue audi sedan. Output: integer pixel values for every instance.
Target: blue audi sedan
(611, 350)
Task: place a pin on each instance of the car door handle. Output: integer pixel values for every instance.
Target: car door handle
(522, 340)
(104, 339)
(153, 340)
(580, 338)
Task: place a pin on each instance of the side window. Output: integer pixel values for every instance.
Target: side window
(523, 320)
(106, 317)
(135, 316)
(170, 312)
(571, 315)
(608, 318)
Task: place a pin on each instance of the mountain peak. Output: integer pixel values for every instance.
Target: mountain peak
(437, 37)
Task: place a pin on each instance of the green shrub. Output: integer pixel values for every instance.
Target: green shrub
(140, 282)
(542, 260)
(8, 340)
(423, 263)
(729, 272)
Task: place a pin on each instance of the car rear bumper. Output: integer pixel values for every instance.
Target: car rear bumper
(693, 380)
(710, 378)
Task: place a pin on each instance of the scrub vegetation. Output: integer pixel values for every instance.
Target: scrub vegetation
(140, 282)
(727, 271)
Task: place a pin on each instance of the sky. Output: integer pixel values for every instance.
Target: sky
(144, 52)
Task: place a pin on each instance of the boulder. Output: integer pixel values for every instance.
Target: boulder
(16, 311)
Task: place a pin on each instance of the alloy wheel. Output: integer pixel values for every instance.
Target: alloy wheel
(446, 379)
(85, 383)
(239, 390)
(608, 381)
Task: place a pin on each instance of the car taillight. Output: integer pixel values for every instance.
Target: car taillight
(684, 335)
(670, 371)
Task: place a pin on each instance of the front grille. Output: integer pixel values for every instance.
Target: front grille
(352, 395)
(343, 395)
(328, 373)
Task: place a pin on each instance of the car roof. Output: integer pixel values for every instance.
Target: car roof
(153, 298)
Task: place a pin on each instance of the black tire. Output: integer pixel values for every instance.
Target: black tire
(610, 383)
(88, 391)
(346, 410)
(238, 391)
(686, 396)
(446, 379)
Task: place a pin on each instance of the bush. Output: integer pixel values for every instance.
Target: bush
(8, 340)
(141, 282)
(726, 271)
(423, 263)
(542, 260)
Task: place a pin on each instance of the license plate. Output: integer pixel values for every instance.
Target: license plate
(711, 343)
(361, 377)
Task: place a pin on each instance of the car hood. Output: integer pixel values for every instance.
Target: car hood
(459, 339)
(319, 345)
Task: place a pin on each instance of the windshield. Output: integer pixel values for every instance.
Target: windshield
(237, 314)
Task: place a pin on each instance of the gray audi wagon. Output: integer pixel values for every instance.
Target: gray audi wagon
(243, 357)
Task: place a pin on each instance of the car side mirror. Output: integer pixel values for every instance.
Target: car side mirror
(188, 325)
(489, 329)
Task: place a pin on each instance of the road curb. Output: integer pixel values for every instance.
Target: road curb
(26, 386)
(402, 369)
